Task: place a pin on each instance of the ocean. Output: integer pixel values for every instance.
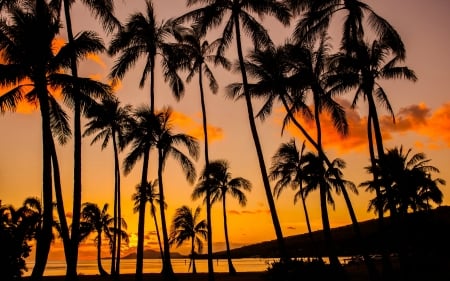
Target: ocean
(89, 267)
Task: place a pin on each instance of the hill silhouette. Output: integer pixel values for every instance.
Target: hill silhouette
(425, 232)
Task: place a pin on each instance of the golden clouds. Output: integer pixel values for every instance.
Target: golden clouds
(195, 129)
(417, 119)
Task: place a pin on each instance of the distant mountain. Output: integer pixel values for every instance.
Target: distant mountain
(423, 231)
(151, 254)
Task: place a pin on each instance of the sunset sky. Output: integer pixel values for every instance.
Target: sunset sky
(422, 123)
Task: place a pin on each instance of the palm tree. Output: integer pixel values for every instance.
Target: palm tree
(199, 53)
(140, 36)
(141, 135)
(103, 10)
(317, 16)
(287, 170)
(186, 226)
(166, 143)
(152, 197)
(109, 120)
(17, 228)
(99, 221)
(241, 16)
(31, 68)
(409, 176)
(218, 180)
(316, 176)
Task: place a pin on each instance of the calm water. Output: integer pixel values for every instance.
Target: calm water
(89, 267)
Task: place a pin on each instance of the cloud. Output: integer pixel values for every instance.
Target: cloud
(195, 129)
(291, 228)
(249, 212)
(418, 119)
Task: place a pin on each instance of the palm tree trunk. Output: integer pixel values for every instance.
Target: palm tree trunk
(158, 235)
(208, 191)
(231, 268)
(167, 270)
(115, 259)
(99, 255)
(194, 269)
(334, 261)
(141, 219)
(308, 225)
(65, 233)
(72, 266)
(44, 237)
(276, 223)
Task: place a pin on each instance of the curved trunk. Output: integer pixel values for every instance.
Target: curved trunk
(43, 240)
(65, 232)
(276, 223)
(141, 219)
(99, 254)
(72, 265)
(167, 270)
(157, 233)
(369, 263)
(208, 191)
(231, 268)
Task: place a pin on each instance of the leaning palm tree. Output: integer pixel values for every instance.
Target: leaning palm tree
(167, 143)
(217, 179)
(287, 170)
(109, 121)
(199, 53)
(241, 16)
(31, 70)
(152, 197)
(186, 225)
(141, 136)
(99, 221)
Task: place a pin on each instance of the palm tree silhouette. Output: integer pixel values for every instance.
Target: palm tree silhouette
(140, 36)
(409, 175)
(30, 33)
(109, 120)
(166, 143)
(99, 221)
(186, 226)
(198, 54)
(217, 179)
(17, 228)
(241, 16)
(152, 197)
(141, 135)
(287, 170)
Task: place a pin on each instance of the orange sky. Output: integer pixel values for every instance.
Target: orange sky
(422, 123)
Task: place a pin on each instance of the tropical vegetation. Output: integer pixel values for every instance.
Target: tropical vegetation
(306, 74)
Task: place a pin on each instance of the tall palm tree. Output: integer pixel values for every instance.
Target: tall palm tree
(217, 179)
(166, 143)
(143, 36)
(287, 170)
(31, 69)
(108, 121)
(102, 10)
(99, 221)
(199, 54)
(241, 16)
(141, 135)
(186, 225)
(152, 197)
